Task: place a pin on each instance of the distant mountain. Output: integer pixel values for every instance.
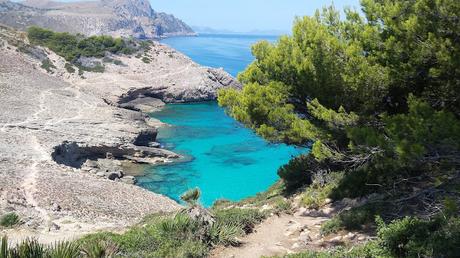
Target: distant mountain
(209, 30)
(111, 17)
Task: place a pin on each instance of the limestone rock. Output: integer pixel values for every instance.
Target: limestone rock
(106, 17)
(129, 180)
(56, 207)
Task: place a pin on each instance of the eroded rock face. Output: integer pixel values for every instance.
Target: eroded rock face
(109, 17)
(63, 136)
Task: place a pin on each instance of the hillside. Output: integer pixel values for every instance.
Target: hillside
(68, 129)
(107, 17)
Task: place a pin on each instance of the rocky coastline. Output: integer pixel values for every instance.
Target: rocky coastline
(66, 135)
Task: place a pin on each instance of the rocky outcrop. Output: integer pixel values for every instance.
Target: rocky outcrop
(110, 17)
(65, 136)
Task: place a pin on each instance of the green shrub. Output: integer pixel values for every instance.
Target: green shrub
(282, 205)
(48, 65)
(100, 249)
(368, 250)
(159, 236)
(71, 47)
(146, 60)
(28, 248)
(321, 188)
(107, 60)
(366, 180)
(98, 68)
(414, 237)
(191, 196)
(64, 250)
(407, 237)
(296, 173)
(9, 219)
(246, 218)
(331, 226)
(225, 234)
(221, 203)
(117, 62)
(69, 67)
(353, 219)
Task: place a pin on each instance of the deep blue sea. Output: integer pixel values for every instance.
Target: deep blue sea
(221, 157)
(232, 52)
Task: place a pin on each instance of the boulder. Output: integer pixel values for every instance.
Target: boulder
(129, 180)
(115, 175)
(56, 207)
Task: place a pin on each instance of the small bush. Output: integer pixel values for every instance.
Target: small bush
(221, 203)
(146, 60)
(322, 187)
(100, 249)
(246, 218)
(225, 234)
(30, 248)
(368, 250)
(64, 250)
(97, 68)
(282, 205)
(354, 219)
(407, 237)
(9, 220)
(111, 60)
(191, 196)
(414, 237)
(107, 60)
(366, 180)
(69, 67)
(48, 65)
(297, 172)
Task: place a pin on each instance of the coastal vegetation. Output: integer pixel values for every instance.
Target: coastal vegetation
(9, 219)
(192, 232)
(71, 47)
(74, 47)
(376, 99)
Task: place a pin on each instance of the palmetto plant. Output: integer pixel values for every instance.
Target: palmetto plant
(64, 250)
(191, 196)
(31, 248)
(100, 249)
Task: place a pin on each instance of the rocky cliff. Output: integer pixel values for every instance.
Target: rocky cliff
(110, 17)
(66, 136)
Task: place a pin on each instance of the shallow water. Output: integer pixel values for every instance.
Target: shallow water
(222, 158)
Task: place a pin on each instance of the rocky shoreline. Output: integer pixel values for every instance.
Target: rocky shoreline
(65, 136)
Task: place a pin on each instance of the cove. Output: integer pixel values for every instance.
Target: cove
(221, 157)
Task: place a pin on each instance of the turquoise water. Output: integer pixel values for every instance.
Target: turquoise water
(221, 157)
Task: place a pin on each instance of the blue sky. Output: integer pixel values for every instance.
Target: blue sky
(244, 15)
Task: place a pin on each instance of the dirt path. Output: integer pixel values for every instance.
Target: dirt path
(29, 184)
(276, 236)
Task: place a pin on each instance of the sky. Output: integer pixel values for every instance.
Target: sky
(244, 15)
